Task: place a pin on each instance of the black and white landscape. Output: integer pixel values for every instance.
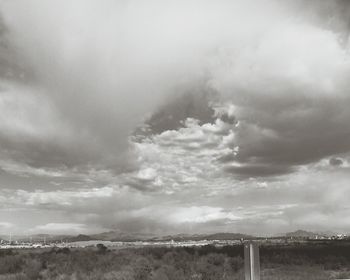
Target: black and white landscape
(148, 119)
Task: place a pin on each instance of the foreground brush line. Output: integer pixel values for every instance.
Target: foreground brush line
(296, 261)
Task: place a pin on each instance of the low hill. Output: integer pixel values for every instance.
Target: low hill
(121, 236)
(81, 237)
(301, 234)
(198, 237)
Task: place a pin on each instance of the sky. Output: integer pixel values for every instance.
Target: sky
(166, 117)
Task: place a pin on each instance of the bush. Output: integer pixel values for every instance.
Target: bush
(32, 269)
(101, 249)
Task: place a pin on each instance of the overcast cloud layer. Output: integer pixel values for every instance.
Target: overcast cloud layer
(174, 116)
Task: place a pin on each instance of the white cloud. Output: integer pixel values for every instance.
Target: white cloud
(59, 228)
(147, 174)
(85, 73)
(184, 157)
(285, 56)
(201, 214)
(62, 197)
(5, 225)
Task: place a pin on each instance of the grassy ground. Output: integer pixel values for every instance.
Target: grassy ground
(294, 262)
(302, 272)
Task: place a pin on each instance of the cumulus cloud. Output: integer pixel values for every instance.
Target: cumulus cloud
(62, 198)
(5, 225)
(101, 82)
(59, 228)
(204, 214)
(335, 161)
(290, 96)
(184, 157)
(93, 82)
(109, 108)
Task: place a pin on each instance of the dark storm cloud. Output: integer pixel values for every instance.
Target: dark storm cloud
(276, 139)
(298, 114)
(335, 161)
(294, 135)
(10, 67)
(330, 14)
(263, 170)
(228, 96)
(87, 64)
(291, 113)
(194, 104)
(99, 85)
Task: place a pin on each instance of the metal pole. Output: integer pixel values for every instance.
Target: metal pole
(251, 261)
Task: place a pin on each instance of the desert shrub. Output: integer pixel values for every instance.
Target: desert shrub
(303, 261)
(159, 274)
(342, 275)
(16, 276)
(233, 264)
(170, 272)
(124, 274)
(101, 249)
(11, 264)
(210, 266)
(179, 259)
(64, 250)
(32, 269)
(142, 268)
(6, 252)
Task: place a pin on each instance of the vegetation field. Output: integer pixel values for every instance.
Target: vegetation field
(298, 261)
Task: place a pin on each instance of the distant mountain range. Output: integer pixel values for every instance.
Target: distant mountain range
(129, 237)
(215, 236)
(36, 237)
(121, 236)
(118, 236)
(301, 233)
(307, 234)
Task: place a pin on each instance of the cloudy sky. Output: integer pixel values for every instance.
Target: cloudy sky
(165, 116)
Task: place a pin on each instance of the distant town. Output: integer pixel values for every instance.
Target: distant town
(116, 240)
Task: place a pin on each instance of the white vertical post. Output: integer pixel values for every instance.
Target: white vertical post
(251, 261)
